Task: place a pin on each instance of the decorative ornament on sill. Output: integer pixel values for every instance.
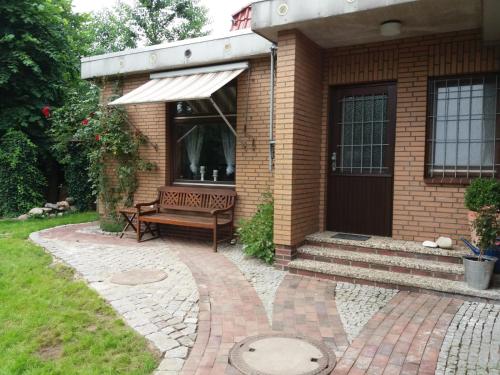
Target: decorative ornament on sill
(215, 175)
(202, 173)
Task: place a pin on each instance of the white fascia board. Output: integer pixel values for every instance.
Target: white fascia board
(268, 17)
(233, 46)
(200, 70)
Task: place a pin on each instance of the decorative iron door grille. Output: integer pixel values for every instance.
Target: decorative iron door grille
(363, 135)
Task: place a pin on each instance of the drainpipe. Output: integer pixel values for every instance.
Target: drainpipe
(271, 107)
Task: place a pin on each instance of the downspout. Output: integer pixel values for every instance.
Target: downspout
(271, 107)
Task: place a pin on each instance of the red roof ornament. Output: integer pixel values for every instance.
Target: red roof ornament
(242, 19)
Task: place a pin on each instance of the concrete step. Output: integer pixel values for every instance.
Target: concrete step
(394, 263)
(388, 246)
(388, 279)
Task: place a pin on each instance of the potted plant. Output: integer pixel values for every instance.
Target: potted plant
(482, 192)
(479, 268)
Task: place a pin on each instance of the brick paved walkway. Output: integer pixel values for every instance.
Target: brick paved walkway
(405, 336)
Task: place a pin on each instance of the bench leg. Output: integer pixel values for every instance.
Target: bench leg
(138, 229)
(214, 245)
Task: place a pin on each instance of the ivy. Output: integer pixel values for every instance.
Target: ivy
(21, 181)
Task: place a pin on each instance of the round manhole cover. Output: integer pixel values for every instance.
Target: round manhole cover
(138, 277)
(280, 354)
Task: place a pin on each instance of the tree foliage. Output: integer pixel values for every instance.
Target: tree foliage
(37, 43)
(110, 30)
(160, 21)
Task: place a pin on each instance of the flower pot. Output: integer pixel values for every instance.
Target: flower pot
(478, 274)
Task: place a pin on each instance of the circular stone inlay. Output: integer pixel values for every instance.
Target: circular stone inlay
(138, 277)
(281, 354)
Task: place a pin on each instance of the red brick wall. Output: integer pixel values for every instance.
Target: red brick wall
(252, 173)
(253, 177)
(421, 210)
(298, 130)
(150, 119)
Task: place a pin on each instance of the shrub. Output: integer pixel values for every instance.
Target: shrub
(487, 228)
(257, 233)
(22, 183)
(80, 101)
(482, 192)
(111, 225)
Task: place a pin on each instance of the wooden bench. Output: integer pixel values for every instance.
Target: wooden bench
(191, 207)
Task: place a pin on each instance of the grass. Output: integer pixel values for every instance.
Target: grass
(52, 324)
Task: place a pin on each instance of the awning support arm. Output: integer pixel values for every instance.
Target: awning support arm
(223, 117)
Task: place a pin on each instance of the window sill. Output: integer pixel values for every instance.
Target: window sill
(457, 181)
(206, 184)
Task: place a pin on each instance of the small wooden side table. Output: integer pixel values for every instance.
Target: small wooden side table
(130, 215)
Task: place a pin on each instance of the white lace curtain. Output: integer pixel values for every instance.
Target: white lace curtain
(194, 143)
(229, 146)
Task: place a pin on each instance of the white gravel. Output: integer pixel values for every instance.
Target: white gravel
(357, 304)
(263, 277)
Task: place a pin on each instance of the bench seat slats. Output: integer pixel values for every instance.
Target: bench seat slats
(184, 220)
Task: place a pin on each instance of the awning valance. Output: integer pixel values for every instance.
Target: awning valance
(186, 84)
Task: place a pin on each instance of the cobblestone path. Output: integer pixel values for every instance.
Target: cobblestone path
(210, 301)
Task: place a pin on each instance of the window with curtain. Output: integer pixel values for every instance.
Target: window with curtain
(462, 126)
(204, 148)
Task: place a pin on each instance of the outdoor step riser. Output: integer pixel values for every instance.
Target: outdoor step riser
(354, 280)
(383, 267)
(389, 252)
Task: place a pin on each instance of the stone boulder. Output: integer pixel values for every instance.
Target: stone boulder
(430, 244)
(444, 243)
(23, 217)
(70, 200)
(63, 205)
(37, 211)
(46, 209)
(52, 206)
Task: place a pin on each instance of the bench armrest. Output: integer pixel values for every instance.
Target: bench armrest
(139, 205)
(221, 210)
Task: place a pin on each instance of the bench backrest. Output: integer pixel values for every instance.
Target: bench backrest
(195, 199)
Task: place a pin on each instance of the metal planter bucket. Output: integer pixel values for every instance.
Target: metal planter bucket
(478, 274)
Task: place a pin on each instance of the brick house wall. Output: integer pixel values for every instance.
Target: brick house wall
(421, 210)
(298, 129)
(253, 177)
(150, 119)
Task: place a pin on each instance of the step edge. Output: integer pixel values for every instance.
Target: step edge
(295, 264)
(455, 253)
(432, 265)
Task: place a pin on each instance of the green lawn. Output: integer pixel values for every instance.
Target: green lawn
(51, 324)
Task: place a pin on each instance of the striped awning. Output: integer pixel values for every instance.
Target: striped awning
(180, 85)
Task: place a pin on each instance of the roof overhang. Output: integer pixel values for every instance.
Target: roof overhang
(347, 22)
(234, 46)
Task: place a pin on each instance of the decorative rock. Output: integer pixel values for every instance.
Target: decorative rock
(429, 244)
(46, 209)
(23, 217)
(73, 208)
(36, 211)
(62, 205)
(51, 205)
(444, 243)
(70, 200)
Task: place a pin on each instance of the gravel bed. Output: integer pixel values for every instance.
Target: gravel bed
(357, 304)
(263, 277)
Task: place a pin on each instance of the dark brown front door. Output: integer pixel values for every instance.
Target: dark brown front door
(361, 146)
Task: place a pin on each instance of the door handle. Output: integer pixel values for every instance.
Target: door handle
(334, 161)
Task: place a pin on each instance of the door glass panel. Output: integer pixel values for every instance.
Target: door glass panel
(363, 128)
